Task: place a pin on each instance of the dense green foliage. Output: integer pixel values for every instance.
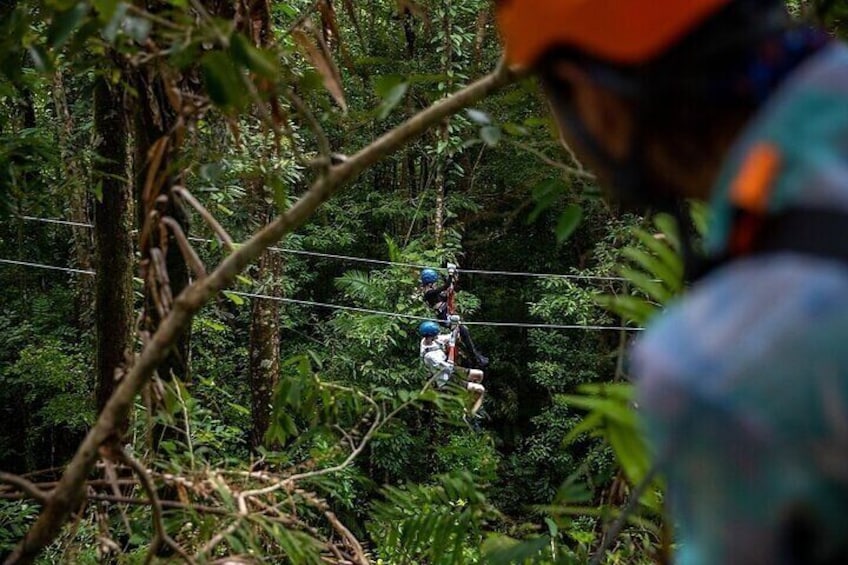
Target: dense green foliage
(490, 189)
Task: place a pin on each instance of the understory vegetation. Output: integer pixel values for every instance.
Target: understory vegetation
(141, 146)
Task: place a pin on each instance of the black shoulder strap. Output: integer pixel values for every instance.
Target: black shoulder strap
(810, 231)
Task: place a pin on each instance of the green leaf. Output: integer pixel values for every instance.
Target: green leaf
(552, 527)
(502, 550)
(478, 117)
(256, 60)
(514, 129)
(568, 222)
(235, 298)
(386, 83)
(137, 28)
(116, 18)
(105, 9)
(280, 193)
(224, 80)
(392, 99)
(646, 284)
(590, 423)
(240, 409)
(664, 252)
(40, 58)
(64, 24)
(544, 194)
(668, 226)
(652, 265)
(633, 308)
(491, 135)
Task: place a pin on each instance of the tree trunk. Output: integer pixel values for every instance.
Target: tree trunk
(112, 220)
(79, 201)
(441, 193)
(480, 33)
(153, 133)
(443, 135)
(264, 345)
(265, 314)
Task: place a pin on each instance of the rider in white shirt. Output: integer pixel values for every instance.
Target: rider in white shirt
(434, 355)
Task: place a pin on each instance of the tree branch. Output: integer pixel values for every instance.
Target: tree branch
(25, 486)
(572, 171)
(69, 493)
(161, 536)
(207, 217)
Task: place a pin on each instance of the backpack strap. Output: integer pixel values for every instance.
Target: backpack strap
(809, 231)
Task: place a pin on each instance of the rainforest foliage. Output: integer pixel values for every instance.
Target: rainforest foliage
(282, 428)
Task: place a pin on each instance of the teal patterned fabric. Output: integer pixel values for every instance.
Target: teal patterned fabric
(743, 384)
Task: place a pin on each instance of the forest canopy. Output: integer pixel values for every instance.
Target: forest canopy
(213, 218)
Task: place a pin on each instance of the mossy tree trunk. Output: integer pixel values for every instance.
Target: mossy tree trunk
(265, 313)
(113, 304)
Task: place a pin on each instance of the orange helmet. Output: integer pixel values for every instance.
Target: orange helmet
(618, 31)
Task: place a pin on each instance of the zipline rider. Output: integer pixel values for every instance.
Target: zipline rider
(743, 383)
(435, 356)
(439, 299)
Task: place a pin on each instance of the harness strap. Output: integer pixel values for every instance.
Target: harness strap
(809, 231)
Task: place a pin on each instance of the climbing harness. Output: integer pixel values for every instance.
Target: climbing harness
(454, 338)
(451, 298)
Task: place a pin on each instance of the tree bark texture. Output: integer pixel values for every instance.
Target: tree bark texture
(113, 243)
(264, 349)
(154, 120)
(163, 267)
(79, 200)
(443, 137)
(265, 345)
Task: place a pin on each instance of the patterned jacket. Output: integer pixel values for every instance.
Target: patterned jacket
(743, 384)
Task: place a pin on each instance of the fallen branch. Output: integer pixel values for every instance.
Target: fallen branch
(161, 536)
(69, 493)
(25, 486)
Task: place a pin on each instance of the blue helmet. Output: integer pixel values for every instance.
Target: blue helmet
(429, 276)
(428, 329)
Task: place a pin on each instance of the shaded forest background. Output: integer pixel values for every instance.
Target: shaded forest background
(136, 125)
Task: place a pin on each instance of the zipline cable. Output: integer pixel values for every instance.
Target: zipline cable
(55, 221)
(50, 267)
(373, 261)
(524, 325)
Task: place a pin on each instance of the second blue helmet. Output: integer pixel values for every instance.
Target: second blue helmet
(429, 276)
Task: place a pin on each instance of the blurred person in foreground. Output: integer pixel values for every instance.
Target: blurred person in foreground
(743, 382)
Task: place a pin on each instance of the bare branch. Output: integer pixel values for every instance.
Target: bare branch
(69, 492)
(312, 123)
(189, 254)
(25, 486)
(572, 171)
(199, 508)
(207, 217)
(112, 478)
(217, 539)
(350, 539)
(161, 535)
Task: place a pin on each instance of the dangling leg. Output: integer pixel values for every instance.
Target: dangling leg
(465, 336)
(475, 377)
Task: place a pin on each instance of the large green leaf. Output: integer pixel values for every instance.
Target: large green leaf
(224, 80)
(65, 23)
(256, 60)
(569, 220)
